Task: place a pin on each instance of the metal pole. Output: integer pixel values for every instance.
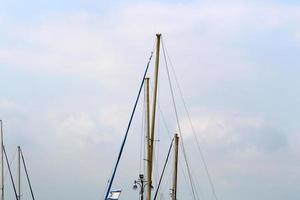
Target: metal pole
(148, 139)
(142, 190)
(174, 190)
(149, 185)
(19, 172)
(2, 163)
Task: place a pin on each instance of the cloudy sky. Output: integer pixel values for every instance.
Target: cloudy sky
(70, 70)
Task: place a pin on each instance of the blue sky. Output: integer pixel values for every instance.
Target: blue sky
(69, 72)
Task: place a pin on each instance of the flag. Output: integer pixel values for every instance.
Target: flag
(114, 195)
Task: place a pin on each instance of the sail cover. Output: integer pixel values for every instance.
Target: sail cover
(114, 195)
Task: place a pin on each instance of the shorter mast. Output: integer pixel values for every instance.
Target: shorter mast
(148, 137)
(174, 189)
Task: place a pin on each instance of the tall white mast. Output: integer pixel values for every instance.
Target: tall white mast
(151, 147)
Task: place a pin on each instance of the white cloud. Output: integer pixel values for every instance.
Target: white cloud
(76, 129)
(242, 144)
(103, 47)
(7, 105)
(235, 132)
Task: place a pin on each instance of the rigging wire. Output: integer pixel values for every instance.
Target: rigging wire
(11, 177)
(199, 191)
(170, 137)
(178, 125)
(167, 183)
(163, 171)
(168, 132)
(127, 130)
(162, 116)
(156, 163)
(193, 128)
(11, 162)
(185, 176)
(157, 146)
(27, 176)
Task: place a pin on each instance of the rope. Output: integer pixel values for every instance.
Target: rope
(178, 124)
(127, 130)
(193, 130)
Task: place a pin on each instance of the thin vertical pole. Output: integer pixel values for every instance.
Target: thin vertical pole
(174, 190)
(149, 185)
(2, 163)
(19, 172)
(148, 139)
(142, 190)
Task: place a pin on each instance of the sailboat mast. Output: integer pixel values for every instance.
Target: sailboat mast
(2, 163)
(151, 147)
(148, 138)
(19, 172)
(174, 189)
